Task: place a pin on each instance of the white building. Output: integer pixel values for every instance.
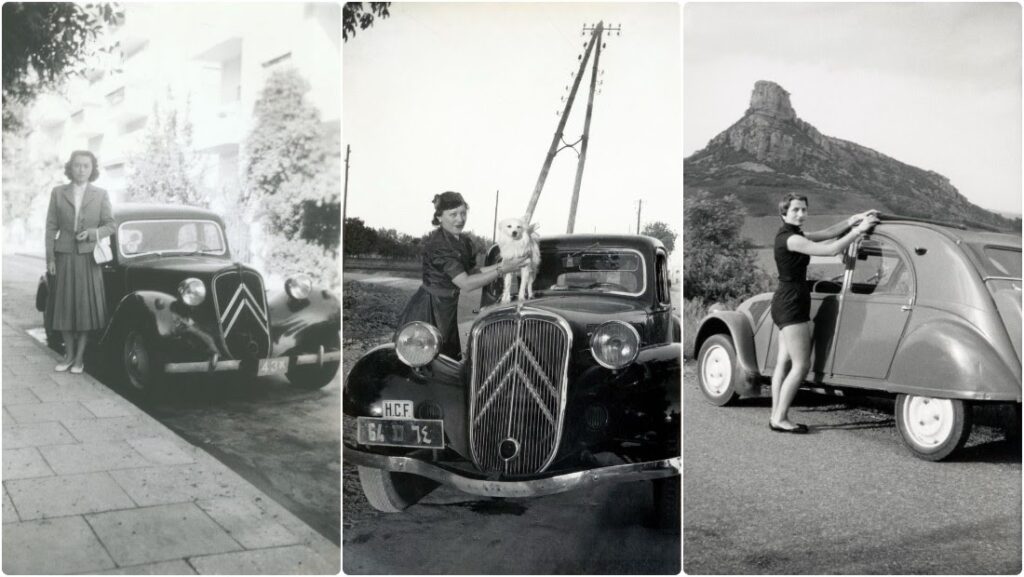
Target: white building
(215, 56)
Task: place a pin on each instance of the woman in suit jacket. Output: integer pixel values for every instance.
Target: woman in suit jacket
(79, 215)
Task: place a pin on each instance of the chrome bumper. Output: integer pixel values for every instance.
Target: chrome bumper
(216, 365)
(533, 488)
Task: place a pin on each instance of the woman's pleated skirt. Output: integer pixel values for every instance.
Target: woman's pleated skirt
(77, 300)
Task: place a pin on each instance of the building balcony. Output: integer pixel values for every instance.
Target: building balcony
(219, 126)
(128, 103)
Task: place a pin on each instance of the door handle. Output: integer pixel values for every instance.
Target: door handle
(905, 308)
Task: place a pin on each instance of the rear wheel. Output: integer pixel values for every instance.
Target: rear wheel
(390, 492)
(931, 428)
(718, 372)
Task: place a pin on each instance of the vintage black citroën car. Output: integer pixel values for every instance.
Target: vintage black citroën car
(577, 386)
(179, 304)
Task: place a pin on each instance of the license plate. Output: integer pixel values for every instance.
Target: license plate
(419, 433)
(272, 366)
(397, 410)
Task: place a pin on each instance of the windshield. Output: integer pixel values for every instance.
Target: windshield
(619, 271)
(142, 237)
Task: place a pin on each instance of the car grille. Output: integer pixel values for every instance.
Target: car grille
(517, 392)
(241, 307)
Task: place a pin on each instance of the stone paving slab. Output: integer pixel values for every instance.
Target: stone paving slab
(65, 496)
(43, 412)
(163, 451)
(24, 464)
(92, 457)
(52, 391)
(35, 434)
(162, 533)
(91, 430)
(53, 546)
(248, 523)
(107, 408)
(19, 396)
(162, 568)
(294, 560)
(177, 484)
(10, 515)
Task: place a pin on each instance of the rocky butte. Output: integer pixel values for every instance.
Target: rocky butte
(771, 151)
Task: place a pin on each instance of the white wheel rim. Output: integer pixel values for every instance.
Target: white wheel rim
(716, 371)
(928, 421)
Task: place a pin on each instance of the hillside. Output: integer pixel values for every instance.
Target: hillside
(770, 151)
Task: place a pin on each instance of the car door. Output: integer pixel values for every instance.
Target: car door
(878, 298)
(824, 315)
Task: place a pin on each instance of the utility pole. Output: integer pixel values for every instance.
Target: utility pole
(598, 32)
(639, 206)
(553, 149)
(344, 205)
(494, 229)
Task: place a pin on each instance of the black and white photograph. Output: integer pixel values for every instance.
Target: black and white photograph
(852, 288)
(172, 179)
(511, 270)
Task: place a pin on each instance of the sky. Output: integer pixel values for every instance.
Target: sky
(464, 97)
(937, 86)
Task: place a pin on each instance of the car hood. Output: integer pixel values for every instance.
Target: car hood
(583, 312)
(164, 273)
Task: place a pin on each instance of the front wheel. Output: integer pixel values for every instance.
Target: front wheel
(390, 492)
(718, 371)
(315, 376)
(931, 428)
(140, 363)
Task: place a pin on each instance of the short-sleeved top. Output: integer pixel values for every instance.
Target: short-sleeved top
(792, 265)
(446, 256)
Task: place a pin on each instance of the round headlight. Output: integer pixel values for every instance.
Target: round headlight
(192, 291)
(417, 343)
(615, 344)
(298, 286)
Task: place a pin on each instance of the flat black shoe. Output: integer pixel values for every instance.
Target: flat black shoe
(797, 430)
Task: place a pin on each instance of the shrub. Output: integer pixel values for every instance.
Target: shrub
(719, 265)
(285, 257)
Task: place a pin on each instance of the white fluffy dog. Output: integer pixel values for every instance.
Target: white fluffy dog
(517, 238)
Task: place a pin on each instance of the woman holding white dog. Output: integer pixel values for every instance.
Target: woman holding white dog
(449, 267)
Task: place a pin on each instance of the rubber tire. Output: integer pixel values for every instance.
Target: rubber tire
(960, 429)
(717, 343)
(390, 492)
(145, 380)
(667, 503)
(313, 377)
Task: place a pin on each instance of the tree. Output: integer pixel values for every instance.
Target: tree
(44, 43)
(662, 232)
(27, 182)
(719, 265)
(285, 155)
(166, 169)
(355, 16)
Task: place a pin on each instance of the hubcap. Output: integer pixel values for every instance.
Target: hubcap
(716, 371)
(136, 360)
(929, 422)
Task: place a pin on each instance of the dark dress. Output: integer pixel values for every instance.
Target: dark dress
(792, 301)
(445, 256)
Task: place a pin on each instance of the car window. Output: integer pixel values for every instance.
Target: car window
(608, 271)
(1003, 262)
(663, 282)
(136, 238)
(880, 269)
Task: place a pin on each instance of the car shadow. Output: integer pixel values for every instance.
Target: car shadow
(998, 451)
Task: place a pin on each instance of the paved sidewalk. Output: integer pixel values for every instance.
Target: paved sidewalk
(92, 484)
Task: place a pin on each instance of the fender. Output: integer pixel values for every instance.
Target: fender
(380, 375)
(151, 309)
(738, 327)
(949, 358)
(303, 325)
